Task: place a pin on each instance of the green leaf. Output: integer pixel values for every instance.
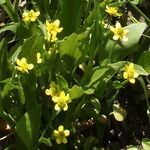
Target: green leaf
(76, 92)
(62, 82)
(117, 51)
(96, 104)
(131, 147)
(119, 112)
(4, 72)
(31, 47)
(135, 2)
(121, 64)
(97, 74)
(24, 130)
(140, 70)
(45, 141)
(89, 141)
(118, 65)
(146, 143)
(21, 92)
(71, 15)
(27, 128)
(69, 49)
(10, 27)
(144, 60)
(2, 1)
(4, 100)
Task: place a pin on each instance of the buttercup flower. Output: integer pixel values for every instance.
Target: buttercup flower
(129, 73)
(39, 59)
(119, 32)
(52, 29)
(23, 66)
(61, 101)
(113, 11)
(29, 16)
(61, 135)
(53, 91)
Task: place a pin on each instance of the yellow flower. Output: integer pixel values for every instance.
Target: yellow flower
(113, 11)
(52, 29)
(54, 90)
(61, 135)
(61, 101)
(119, 33)
(129, 73)
(31, 15)
(39, 59)
(23, 66)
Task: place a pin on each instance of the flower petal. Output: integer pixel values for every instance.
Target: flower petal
(67, 132)
(58, 140)
(124, 39)
(118, 25)
(115, 37)
(136, 74)
(30, 66)
(132, 80)
(47, 92)
(57, 108)
(56, 133)
(64, 140)
(125, 75)
(60, 128)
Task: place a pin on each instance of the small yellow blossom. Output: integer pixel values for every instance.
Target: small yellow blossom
(52, 29)
(29, 16)
(61, 135)
(23, 66)
(54, 90)
(39, 59)
(113, 11)
(129, 73)
(61, 101)
(119, 32)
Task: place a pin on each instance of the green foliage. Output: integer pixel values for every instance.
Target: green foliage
(73, 77)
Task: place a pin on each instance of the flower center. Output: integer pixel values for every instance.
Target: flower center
(120, 32)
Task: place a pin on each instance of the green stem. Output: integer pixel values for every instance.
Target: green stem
(140, 12)
(54, 113)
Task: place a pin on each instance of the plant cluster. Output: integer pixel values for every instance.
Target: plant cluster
(64, 66)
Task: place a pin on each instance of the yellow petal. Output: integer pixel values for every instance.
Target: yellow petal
(132, 80)
(56, 133)
(38, 55)
(115, 37)
(118, 25)
(66, 107)
(60, 128)
(124, 39)
(136, 74)
(67, 132)
(30, 66)
(47, 92)
(18, 62)
(37, 13)
(125, 75)
(23, 60)
(59, 30)
(131, 66)
(57, 108)
(39, 61)
(58, 140)
(57, 22)
(112, 29)
(64, 140)
(55, 99)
